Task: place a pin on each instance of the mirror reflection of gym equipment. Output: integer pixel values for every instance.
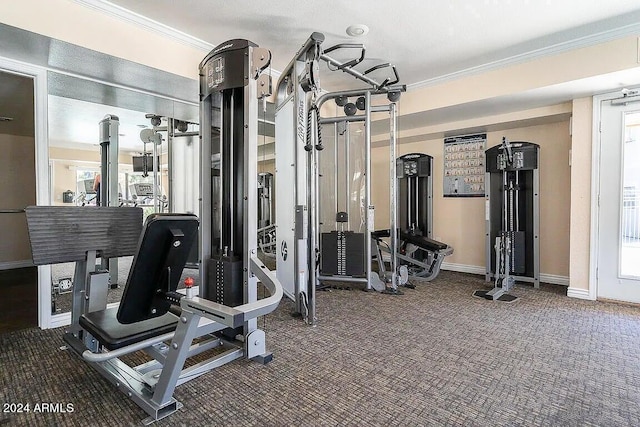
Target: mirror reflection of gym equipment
(266, 224)
(138, 184)
(148, 193)
(513, 218)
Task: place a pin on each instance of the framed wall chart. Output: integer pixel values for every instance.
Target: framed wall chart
(464, 165)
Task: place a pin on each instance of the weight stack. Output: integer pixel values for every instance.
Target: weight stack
(225, 286)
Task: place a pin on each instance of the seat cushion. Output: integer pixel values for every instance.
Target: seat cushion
(423, 242)
(104, 326)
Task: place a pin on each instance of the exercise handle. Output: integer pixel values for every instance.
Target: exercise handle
(387, 81)
(354, 61)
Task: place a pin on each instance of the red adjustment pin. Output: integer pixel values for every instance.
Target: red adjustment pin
(188, 284)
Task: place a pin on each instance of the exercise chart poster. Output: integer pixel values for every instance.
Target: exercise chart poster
(464, 165)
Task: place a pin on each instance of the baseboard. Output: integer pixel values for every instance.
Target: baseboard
(554, 279)
(10, 265)
(578, 293)
(60, 320)
(463, 268)
(477, 269)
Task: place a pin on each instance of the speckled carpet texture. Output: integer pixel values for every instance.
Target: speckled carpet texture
(435, 356)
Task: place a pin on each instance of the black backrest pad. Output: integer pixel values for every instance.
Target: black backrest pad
(164, 247)
(65, 233)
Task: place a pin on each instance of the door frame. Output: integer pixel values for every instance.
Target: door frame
(40, 98)
(595, 188)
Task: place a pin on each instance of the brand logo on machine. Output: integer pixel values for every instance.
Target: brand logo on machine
(301, 120)
(411, 156)
(283, 250)
(226, 46)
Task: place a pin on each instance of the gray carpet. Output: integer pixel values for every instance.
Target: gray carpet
(434, 356)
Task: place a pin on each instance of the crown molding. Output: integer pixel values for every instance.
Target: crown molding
(581, 42)
(127, 15)
(120, 12)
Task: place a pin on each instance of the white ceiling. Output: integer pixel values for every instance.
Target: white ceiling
(426, 40)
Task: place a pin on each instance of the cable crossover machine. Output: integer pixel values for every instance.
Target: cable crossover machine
(330, 240)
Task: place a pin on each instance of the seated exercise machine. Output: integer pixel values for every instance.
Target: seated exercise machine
(153, 316)
(512, 186)
(416, 249)
(310, 251)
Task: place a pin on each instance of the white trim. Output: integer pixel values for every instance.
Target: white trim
(586, 41)
(149, 24)
(39, 76)
(595, 184)
(463, 268)
(127, 15)
(554, 279)
(580, 293)
(9, 265)
(60, 320)
(477, 269)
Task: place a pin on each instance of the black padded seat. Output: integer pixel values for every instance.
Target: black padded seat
(104, 326)
(420, 241)
(423, 242)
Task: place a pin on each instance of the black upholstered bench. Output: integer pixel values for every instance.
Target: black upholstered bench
(104, 326)
(143, 313)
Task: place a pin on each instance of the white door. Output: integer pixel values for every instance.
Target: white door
(618, 263)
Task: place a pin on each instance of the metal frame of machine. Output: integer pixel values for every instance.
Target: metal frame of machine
(109, 190)
(512, 194)
(417, 249)
(298, 121)
(225, 314)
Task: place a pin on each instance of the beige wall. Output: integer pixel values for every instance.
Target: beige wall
(581, 193)
(267, 166)
(460, 222)
(72, 22)
(18, 189)
(67, 161)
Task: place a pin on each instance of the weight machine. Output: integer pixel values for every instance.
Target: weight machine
(109, 187)
(512, 184)
(417, 250)
(141, 194)
(153, 316)
(306, 255)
